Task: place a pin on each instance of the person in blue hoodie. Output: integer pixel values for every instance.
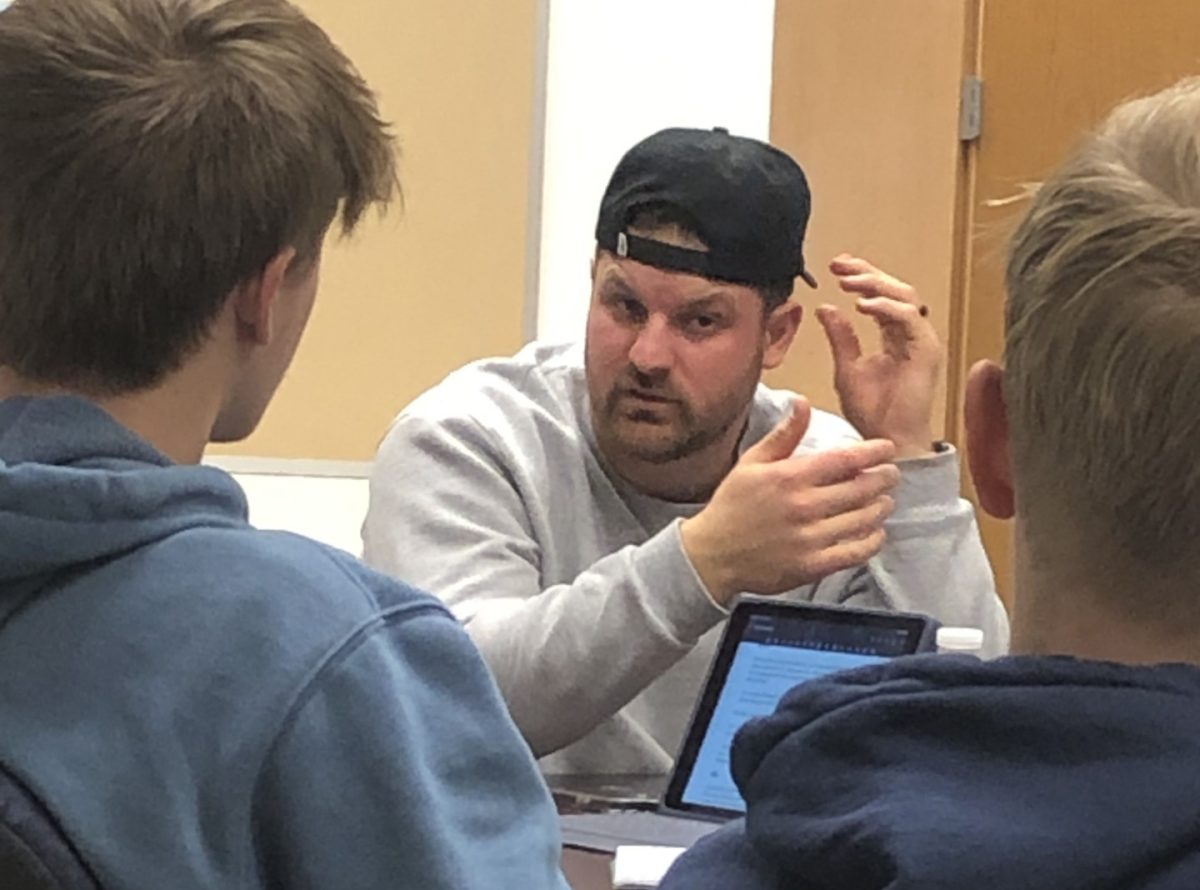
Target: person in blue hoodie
(196, 703)
(1075, 763)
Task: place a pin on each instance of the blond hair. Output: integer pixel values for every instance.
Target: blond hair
(153, 155)
(1103, 352)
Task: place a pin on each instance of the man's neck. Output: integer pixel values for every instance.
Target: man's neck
(689, 480)
(1057, 622)
(175, 417)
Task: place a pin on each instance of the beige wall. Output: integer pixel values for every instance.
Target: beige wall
(443, 279)
(871, 112)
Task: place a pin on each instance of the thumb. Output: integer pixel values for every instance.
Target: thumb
(784, 438)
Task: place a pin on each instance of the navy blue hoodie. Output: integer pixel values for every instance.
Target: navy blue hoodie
(946, 773)
(205, 705)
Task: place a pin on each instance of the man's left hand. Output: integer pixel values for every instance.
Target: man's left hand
(888, 395)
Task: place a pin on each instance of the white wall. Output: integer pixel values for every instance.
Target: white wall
(328, 508)
(617, 71)
(325, 500)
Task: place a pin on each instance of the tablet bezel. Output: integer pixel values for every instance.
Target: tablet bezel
(917, 626)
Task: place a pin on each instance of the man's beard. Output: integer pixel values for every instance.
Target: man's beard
(691, 433)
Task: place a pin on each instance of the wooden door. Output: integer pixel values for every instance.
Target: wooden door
(1051, 69)
(865, 95)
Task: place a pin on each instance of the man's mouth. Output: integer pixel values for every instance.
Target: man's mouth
(652, 398)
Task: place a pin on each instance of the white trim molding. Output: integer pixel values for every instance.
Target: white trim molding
(276, 466)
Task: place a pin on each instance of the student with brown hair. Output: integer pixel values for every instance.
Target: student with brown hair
(197, 703)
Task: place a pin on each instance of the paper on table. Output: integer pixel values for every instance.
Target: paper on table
(641, 868)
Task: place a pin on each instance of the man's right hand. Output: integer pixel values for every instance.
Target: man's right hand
(779, 521)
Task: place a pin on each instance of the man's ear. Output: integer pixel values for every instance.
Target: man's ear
(781, 327)
(988, 454)
(254, 300)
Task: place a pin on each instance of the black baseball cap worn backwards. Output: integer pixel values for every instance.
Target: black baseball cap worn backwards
(748, 201)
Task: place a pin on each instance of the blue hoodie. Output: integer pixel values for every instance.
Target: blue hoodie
(946, 773)
(205, 705)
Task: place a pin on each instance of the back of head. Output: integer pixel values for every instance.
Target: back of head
(1103, 361)
(153, 155)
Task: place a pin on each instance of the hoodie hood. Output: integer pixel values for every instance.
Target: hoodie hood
(77, 488)
(947, 772)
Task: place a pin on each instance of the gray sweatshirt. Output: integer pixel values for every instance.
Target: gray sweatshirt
(488, 491)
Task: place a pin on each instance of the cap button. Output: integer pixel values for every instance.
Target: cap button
(724, 130)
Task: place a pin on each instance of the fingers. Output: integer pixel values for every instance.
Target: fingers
(853, 494)
(843, 341)
(784, 439)
(894, 304)
(857, 276)
(901, 324)
(847, 554)
(841, 464)
(850, 526)
(882, 309)
(879, 284)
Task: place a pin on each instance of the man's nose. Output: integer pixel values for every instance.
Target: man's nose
(652, 351)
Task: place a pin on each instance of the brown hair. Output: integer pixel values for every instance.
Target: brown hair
(153, 155)
(1103, 354)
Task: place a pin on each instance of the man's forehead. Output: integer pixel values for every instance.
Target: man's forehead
(647, 281)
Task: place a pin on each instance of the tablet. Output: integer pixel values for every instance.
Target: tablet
(768, 647)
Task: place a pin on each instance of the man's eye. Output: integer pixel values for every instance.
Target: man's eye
(628, 308)
(704, 323)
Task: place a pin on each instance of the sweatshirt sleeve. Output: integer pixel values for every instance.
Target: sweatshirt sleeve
(446, 516)
(398, 767)
(933, 560)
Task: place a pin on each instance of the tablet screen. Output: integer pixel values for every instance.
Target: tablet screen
(768, 648)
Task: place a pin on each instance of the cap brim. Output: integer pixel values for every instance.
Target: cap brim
(808, 279)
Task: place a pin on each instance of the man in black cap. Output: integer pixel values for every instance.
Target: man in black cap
(591, 510)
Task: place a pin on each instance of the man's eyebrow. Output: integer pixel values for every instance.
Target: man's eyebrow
(714, 299)
(614, 279)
